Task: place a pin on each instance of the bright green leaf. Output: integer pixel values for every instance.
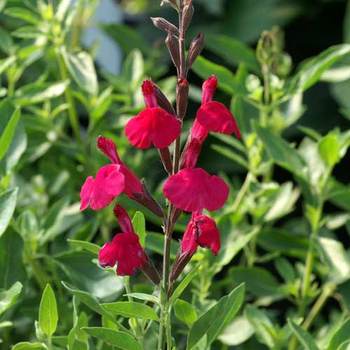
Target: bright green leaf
(8, 201)
(48, 316)
(116, 338)
(131, 309)
(185, 312)
(9, 297)
(340, 337)
(139, 224)
(29, 346)
(8, 133)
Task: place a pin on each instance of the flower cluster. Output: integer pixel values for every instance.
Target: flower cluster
(187, 188)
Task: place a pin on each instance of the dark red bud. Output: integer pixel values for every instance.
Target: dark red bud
(182, 97)
(151, 273)
(163, 24)
(166, 159)
(146, 199)
(172, 44)
(163, 101)
(195, 49)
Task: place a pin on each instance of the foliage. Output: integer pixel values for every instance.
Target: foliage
(284, 229)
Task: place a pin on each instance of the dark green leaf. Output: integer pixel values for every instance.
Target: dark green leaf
(340, 337)
(212, 323)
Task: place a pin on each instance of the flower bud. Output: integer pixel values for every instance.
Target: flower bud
(187, 15)
(163, 101)
(173, 46)
(163, 24)
(182, 97)
(166, 159)
(172, 3)
(195, 49)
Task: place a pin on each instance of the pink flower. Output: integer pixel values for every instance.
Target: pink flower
(100, 191)
(110, 181)
(201, 231)
(125, 249)
(213, 115)
(194, 190)
(152, 126)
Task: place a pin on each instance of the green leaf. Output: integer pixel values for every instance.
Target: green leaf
(131, 309)
(81, 67)
(185, 312)
(39, 92)
(263, 326)
(9, 132)
(337, 259)
(258, 281)
(7, 63)
(232, 50)
(212, 322)
(84, 245)
(48, 316)
(237, 332)
(283, 203)
(115, 338)
(145, 297)
(29, 346)
(304, 337)
(11, 265)
(139, 224)
(90, 301)
(280, 151)
(227, 80)
(330, 149)
(23, 14)
(230, 154)
(183, 285)
(340, 337)
(9, 297)
(311, 72)
(8, 201)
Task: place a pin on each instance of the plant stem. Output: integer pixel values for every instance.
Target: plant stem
(242, 191)
(72, 112)
(327, 291)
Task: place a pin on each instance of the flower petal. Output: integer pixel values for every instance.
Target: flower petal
(194, 190)
(109, 183)
(108, 147)
(107, 256)
(153, 126)
(208, 233)
(86, 192)
(215, 117)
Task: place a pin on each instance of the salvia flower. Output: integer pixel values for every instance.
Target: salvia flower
(213, 115)
(200, 231)
(194, 189)
(152, 126)
(110, 181)
(124, 250)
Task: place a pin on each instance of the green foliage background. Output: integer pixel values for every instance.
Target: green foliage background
(285, 229)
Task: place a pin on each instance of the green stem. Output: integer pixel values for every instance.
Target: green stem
(72, 112)
(327, 291)
(242, 192)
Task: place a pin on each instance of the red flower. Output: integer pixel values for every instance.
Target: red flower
(201, 231)
(125, 249)
(194, 190)
(100, 192)
(213, 115)
(111, 180)
(132, 183)
(153, 125)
